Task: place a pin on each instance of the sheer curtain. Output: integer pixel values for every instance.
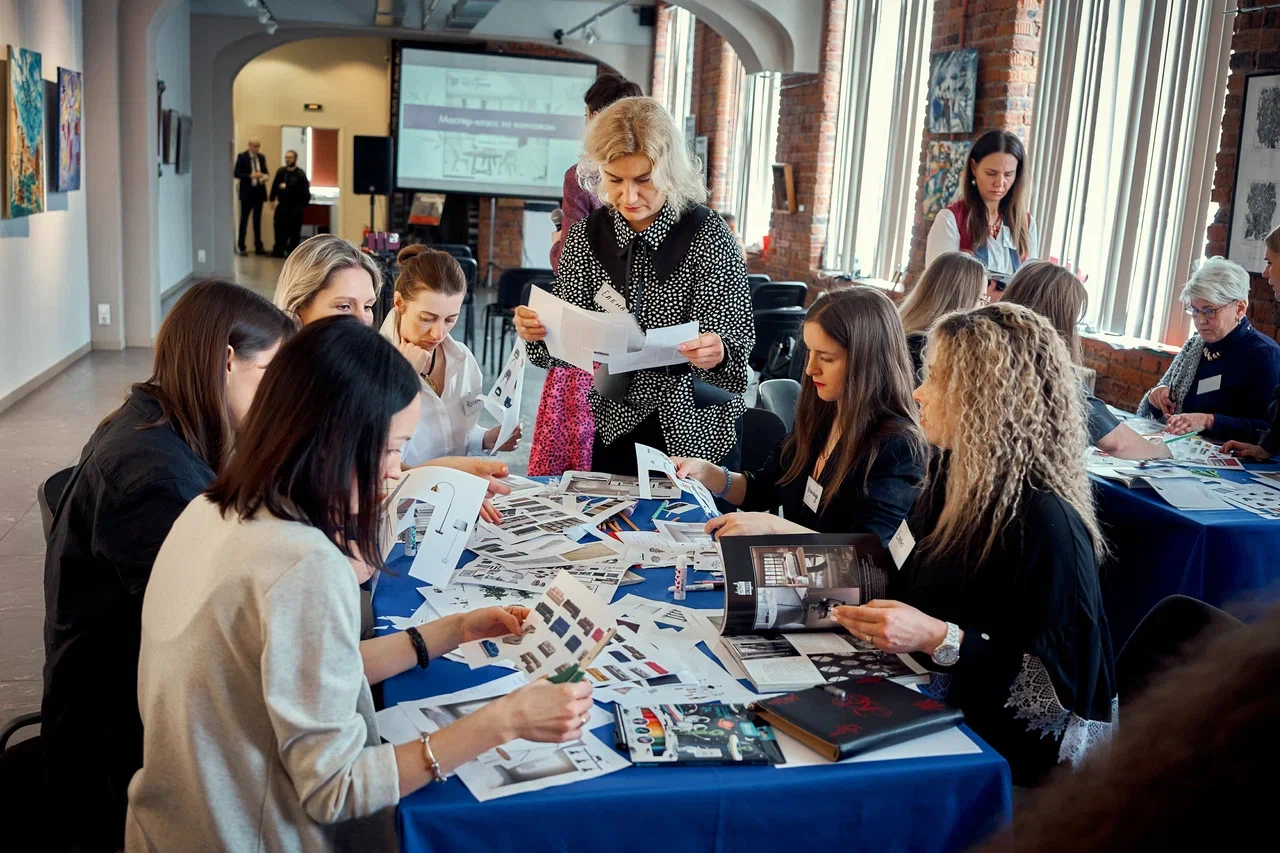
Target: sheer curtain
(677, 83)
(878, 131)
(1122, 149)
(755, 146)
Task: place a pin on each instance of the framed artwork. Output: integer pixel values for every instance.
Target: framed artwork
(953, 90)
(1253, 195)
(25, 167)
(183, 157)
(168, 136)
(943, 173)
(784, 188)
(69, 113)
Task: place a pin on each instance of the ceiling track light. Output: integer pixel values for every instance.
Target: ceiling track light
(265, 18)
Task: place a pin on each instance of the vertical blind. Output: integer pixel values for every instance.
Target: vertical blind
(755, 146)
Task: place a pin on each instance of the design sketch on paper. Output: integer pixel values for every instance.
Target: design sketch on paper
(1262, 210)
(69, 112)
(953, 87)
(24, 185)
(1268, 132)
(945, 171)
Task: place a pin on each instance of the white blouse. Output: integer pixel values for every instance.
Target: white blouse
(448, 425)
(944, 236)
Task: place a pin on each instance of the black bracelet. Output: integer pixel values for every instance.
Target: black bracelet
(419, 647)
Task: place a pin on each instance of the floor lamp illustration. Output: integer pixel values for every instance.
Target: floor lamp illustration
(459, 526)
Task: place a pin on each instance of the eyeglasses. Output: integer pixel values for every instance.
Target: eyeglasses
(1207, 313)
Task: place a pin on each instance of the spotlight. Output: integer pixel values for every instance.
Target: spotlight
(592, 35)
(251, 3)
(271, 27)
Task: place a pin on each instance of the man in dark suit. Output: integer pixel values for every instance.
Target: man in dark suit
(290, 195)
(251, 171)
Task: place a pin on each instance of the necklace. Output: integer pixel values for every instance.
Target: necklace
(994, 228)
(438, 387)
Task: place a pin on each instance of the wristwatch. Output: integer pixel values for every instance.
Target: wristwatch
(948, 654)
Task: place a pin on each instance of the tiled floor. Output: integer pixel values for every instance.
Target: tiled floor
(46, 431)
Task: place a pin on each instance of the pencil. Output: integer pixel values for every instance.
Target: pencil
(629, 522)
(1180, 437)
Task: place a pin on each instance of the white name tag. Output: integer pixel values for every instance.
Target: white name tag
(901, 544)
(470, 405)
(611, 300)
(1213, 383)
(812, 494)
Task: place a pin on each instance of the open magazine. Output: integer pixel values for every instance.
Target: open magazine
(780, 593)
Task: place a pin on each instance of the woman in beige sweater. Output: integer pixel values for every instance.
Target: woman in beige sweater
(253, 685)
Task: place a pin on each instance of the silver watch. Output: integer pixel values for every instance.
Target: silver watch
(948, 654)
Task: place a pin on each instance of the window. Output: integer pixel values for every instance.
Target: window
(677, 81)
(1122, 146)
(755, 147)
(884, 70)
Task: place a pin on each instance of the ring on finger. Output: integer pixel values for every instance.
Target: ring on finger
(583, 719)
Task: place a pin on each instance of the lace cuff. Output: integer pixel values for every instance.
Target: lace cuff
(1034, 699)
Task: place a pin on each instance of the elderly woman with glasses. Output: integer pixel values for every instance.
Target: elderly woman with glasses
(1217, 385)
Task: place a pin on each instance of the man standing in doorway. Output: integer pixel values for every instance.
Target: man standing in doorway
(290, 195)
(251, 170)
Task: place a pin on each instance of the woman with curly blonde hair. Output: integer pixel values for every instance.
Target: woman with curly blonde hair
(1002, 588)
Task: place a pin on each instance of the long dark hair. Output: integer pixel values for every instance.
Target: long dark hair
(876, 397)
(320, 418)
(1013, 209)
(1054, 293)
(188, 378)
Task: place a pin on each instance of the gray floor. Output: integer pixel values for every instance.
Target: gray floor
(46, 431)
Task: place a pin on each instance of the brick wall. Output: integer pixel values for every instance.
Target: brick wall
(1124, 375)
(1255, 47)
(508, 239)
(806, 140)
(1007, 36)
(661, 28)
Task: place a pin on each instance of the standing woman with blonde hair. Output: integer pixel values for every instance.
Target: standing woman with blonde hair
(954, 281)
(1001, 588)
(327, 276)
(658, 248)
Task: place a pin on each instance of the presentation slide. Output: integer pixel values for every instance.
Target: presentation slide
(490, 125)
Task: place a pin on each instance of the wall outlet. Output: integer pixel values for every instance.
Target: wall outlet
(200, 256)
(104, 314)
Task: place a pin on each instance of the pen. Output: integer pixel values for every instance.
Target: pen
(699, 587)
(662, 507)
(1180, 437)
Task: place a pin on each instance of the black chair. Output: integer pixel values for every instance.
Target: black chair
(755, 278)
(779, 396)
(471, 270)
(761, 431)
(513, 291)
(458, 250)
(23, 782)
(773, 326)
(1162, 637)
(48, 494)
(779, 294)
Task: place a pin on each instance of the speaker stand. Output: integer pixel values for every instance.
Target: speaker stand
(372, 225)
(493, 224)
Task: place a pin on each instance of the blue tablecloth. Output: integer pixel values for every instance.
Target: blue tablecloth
(919, 804)
(1219, 557)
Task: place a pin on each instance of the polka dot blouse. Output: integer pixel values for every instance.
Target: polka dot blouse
(709, 286)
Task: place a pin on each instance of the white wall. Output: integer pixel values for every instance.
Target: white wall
(44, 271)
(173, 66)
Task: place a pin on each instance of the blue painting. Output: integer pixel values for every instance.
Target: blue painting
(24, 177)
(953, 90)
(69, 110)
(944, 170)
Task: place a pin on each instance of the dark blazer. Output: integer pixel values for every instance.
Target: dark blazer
(244, 172)
(132, 482)
(1270, 439)
(297, 191)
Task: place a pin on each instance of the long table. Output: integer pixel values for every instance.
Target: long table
(1218, 556)
(915, 804)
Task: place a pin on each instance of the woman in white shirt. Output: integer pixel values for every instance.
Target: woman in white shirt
(253, 684)
(990, 220)
(428, 297)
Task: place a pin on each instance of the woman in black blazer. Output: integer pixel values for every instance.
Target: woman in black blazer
(855, 459)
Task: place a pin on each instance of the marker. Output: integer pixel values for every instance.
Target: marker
(682, 572)
(834, 691)
(700, 587)
(662, 507)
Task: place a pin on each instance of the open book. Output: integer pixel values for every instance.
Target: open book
(780, 592)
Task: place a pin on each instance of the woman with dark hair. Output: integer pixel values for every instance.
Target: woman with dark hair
(855, 458)
(1001, 586)
(1054, 293)
(990, 220)
(252, 682)
(428, 299)
(953, 281)
(141, 468)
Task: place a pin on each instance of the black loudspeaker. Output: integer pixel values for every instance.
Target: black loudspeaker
(648, 16)
(371, 166)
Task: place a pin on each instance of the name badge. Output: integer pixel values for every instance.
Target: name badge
(611, 300)
(471, 405)
(812, 494)
(901, 544)
(1213, 383)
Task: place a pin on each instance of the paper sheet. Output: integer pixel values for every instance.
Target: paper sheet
(455, 498)
(649, 459)
(950, 741)
(600, 580)
(582, 337)
(1188, 494)
(659, 349)
(425, 613)
(530, 517)
(1262, 501)
(503, 401)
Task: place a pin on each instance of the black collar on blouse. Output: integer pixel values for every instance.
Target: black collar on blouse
(653, 234)
(673, 236)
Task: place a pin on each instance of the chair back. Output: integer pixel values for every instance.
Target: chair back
(511, 285)
(779, 396)
(779, 294)
(773, 326)
(754, 278)
(458, 250)
(48, 494)
(761, 431)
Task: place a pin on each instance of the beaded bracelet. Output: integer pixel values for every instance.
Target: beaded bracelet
(437, 775)
(728, 481)
(419, 647)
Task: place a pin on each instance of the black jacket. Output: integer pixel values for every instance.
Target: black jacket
(130, 486)
(1270, 439)
(244, 173)
(297, 189)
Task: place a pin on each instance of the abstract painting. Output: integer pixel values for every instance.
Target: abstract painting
(24, 177)
(69, 111)
(166, 136)
(953, 89)
(1254, 203)
(943, 173)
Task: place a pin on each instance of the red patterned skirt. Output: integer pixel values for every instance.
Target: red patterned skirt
(565, 427)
